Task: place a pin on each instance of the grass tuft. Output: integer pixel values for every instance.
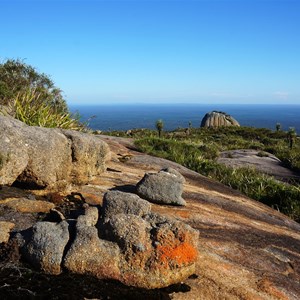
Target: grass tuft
(29, 107)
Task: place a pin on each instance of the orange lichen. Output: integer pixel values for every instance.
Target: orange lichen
(184, 253)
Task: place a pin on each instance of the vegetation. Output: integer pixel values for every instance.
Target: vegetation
(159, 126)
(32, 98)
(199, 149)
(292, 136)
(278, 126)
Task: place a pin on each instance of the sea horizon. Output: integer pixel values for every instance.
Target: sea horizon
(108, 117)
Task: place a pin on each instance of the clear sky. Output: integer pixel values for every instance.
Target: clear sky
(159, 51)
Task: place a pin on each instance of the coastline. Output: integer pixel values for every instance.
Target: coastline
(107, 117)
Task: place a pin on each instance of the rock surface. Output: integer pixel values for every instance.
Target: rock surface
(29, 206)
(164, 187)
(246, 250)
(218, 119)
(88, 253)
(43, 157)
(262, 161)
(5, 228)
(117, 202)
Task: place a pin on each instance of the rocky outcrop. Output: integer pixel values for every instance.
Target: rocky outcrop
(164, 187)
(136, 247)
(246, 250)
(218, 119)
(44, 157)
(262, 161)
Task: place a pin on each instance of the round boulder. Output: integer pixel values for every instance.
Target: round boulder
(218, 119)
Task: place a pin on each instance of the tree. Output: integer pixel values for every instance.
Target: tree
(291, 136)
(159, 126)
(278, 127)
(17, 77)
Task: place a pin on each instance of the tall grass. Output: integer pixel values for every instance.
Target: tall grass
(28, 106)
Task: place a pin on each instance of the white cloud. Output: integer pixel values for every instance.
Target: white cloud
(281, 95)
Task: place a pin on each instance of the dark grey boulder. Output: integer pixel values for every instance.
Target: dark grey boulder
(46, 245)
(164, 187)
(117, 202)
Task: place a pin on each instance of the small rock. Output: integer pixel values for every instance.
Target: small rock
(46, 245)
(5, 228)
(117, 202)
(174, 172)
(165, 187)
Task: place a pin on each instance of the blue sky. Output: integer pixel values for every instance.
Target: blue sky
(159, 51)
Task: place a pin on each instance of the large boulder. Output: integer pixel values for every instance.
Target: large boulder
(89, 154)
(164, 187)
(156, 251)
(44, 157)
(218, 119)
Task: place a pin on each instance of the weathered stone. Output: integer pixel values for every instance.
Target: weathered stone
(155, 251)
(218, 119)
(262, 161)
(89, 254)
(163, 188)
(13, 151)
(44, 157)
(5, 228)
(116, 202)
(129, 231)
(29, 206)
(89, 155)
(174, 172)
(46, 245)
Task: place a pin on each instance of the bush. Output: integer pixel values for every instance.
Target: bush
(16, 76)
(29, 107)
(33, 98)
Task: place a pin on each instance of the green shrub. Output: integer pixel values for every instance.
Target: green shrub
(29, 107)
(17, 76)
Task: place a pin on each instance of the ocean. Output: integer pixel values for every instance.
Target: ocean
(129, 116)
